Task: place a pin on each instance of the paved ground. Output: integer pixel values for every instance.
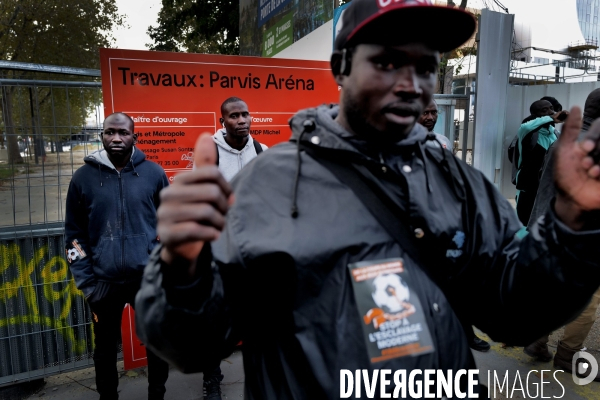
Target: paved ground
(80, 385)
(520, 384)
(512, 359)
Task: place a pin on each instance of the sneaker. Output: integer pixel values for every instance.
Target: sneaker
(212, 388)
(478, 344)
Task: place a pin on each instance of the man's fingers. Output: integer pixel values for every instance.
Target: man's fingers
(203, 214)
(195, 194)
(594, 172)
(208, 173)
(190, 235)
(205, 151)
(572, 126)
(590, 144)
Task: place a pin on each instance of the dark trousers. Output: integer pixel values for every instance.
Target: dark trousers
(525, 203)
(212, 373)
(107, 331)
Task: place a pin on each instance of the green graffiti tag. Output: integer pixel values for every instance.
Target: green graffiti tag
(58, 290)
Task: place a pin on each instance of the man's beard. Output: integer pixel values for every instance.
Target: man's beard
(361, 127)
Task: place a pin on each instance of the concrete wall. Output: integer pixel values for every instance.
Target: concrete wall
(517, 108)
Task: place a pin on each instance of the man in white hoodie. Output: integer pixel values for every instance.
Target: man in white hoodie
(235, 145)
(235, 149)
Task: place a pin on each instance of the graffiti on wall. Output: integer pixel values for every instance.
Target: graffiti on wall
(42, 287)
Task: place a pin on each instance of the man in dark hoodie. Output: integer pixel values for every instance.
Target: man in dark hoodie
(110, 229)
(577, 330)
(349, 249)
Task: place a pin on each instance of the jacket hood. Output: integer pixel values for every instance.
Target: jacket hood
(100, 157)
(333, 136)
(317, 128)
(219, 138)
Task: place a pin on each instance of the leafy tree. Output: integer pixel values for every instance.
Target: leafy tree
(197, 26)
(57, 32)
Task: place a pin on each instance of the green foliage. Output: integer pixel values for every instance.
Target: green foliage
(57, 32)
(197, 26)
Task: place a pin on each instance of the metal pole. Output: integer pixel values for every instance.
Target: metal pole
(33, 130)
(466, 126)
(55, 69)
(29, 82)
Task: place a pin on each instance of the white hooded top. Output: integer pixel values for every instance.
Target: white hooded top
(231, 161)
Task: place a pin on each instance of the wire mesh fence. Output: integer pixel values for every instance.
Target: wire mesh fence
(48, 125)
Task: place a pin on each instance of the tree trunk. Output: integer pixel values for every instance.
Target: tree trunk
(463, 4)
(14, 156)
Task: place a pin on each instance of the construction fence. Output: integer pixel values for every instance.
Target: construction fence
(50, 119)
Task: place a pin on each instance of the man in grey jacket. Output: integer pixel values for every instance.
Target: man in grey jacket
(303, 267)
(235, 145)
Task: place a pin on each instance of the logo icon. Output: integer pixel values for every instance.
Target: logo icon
(584, 372)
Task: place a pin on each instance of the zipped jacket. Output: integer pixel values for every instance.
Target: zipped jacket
(278, 278)
(110, 222)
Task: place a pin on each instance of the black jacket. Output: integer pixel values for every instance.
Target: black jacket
(281, 284)
(111, 218)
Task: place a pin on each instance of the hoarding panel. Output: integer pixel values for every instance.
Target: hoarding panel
(174, 97)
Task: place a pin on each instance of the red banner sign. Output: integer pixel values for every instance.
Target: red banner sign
(174, 97)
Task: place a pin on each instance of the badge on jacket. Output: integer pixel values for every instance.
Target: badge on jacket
(75, 253)
(393, 321)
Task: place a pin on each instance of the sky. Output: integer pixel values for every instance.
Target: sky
(140, 14)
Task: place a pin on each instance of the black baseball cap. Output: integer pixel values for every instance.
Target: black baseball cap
(395, 22)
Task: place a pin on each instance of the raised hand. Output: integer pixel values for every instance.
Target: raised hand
(192, 209)
(576, 174)
(560, 116)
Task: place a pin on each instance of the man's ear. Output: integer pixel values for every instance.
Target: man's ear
(336, 66)
(222, 121)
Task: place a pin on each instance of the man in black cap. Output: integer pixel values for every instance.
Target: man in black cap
(350, 250)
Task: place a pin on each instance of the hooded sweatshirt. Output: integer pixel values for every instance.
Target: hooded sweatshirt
(231, 161)
(110, 222)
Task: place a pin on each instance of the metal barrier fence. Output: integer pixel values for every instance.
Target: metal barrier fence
(455, 121)
(48, 126)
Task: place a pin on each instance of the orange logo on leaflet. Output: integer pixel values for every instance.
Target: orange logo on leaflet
(174, 97)
(377, 316)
